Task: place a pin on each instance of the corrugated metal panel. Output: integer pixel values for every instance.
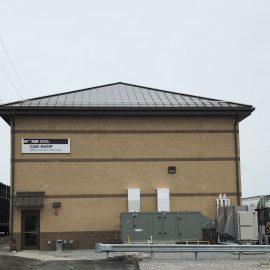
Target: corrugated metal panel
(124, 95)
(29, 199)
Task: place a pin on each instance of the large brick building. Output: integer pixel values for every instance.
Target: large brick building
(76, 154)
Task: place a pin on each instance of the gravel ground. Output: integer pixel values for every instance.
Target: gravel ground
(207, 261)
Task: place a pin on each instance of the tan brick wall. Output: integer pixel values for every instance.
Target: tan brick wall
(116, 177)
(138, 145)
(122, 123)
(102, 214)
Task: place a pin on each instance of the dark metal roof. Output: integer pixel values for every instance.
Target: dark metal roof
(121, 97)
(29, 199)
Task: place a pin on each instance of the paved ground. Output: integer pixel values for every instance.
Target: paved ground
(87, 265)
(4, 240)
(19, 263)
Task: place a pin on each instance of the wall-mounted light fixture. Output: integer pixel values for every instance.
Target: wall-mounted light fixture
(171, 170)
(56, 204)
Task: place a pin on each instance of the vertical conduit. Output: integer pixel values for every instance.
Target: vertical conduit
(12, 172)
(236, 149)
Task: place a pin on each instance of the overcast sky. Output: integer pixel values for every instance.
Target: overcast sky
(217, 49)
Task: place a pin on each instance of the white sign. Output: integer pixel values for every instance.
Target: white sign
(163, 197)
(56, 146)
(133, 200)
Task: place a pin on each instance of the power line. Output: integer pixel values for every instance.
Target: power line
(10, 79)
(13, 65)
(3, 96)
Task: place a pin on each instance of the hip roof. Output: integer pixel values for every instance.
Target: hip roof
(123, 97)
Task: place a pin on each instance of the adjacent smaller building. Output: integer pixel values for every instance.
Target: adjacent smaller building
(252, 202)
(4, 207)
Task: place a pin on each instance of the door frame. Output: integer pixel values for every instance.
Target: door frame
(23, 214)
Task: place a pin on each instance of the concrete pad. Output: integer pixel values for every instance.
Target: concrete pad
(39, 255)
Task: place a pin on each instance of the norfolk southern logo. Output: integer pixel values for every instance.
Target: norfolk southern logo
(45, 141)
(31, 141)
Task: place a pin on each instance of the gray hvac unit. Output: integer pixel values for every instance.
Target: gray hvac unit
(227, 220)
(247, 226)
(163, 226)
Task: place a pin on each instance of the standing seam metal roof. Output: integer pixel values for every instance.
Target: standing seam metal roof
(124, 95)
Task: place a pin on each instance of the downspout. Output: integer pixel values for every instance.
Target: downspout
(12, 176)
(236, 150)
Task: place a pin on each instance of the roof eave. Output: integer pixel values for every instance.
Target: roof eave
(240, 112)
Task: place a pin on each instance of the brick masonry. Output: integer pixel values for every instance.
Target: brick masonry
(82, 240)
(15, 242)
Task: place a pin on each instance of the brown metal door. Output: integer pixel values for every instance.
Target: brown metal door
(30, 229)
